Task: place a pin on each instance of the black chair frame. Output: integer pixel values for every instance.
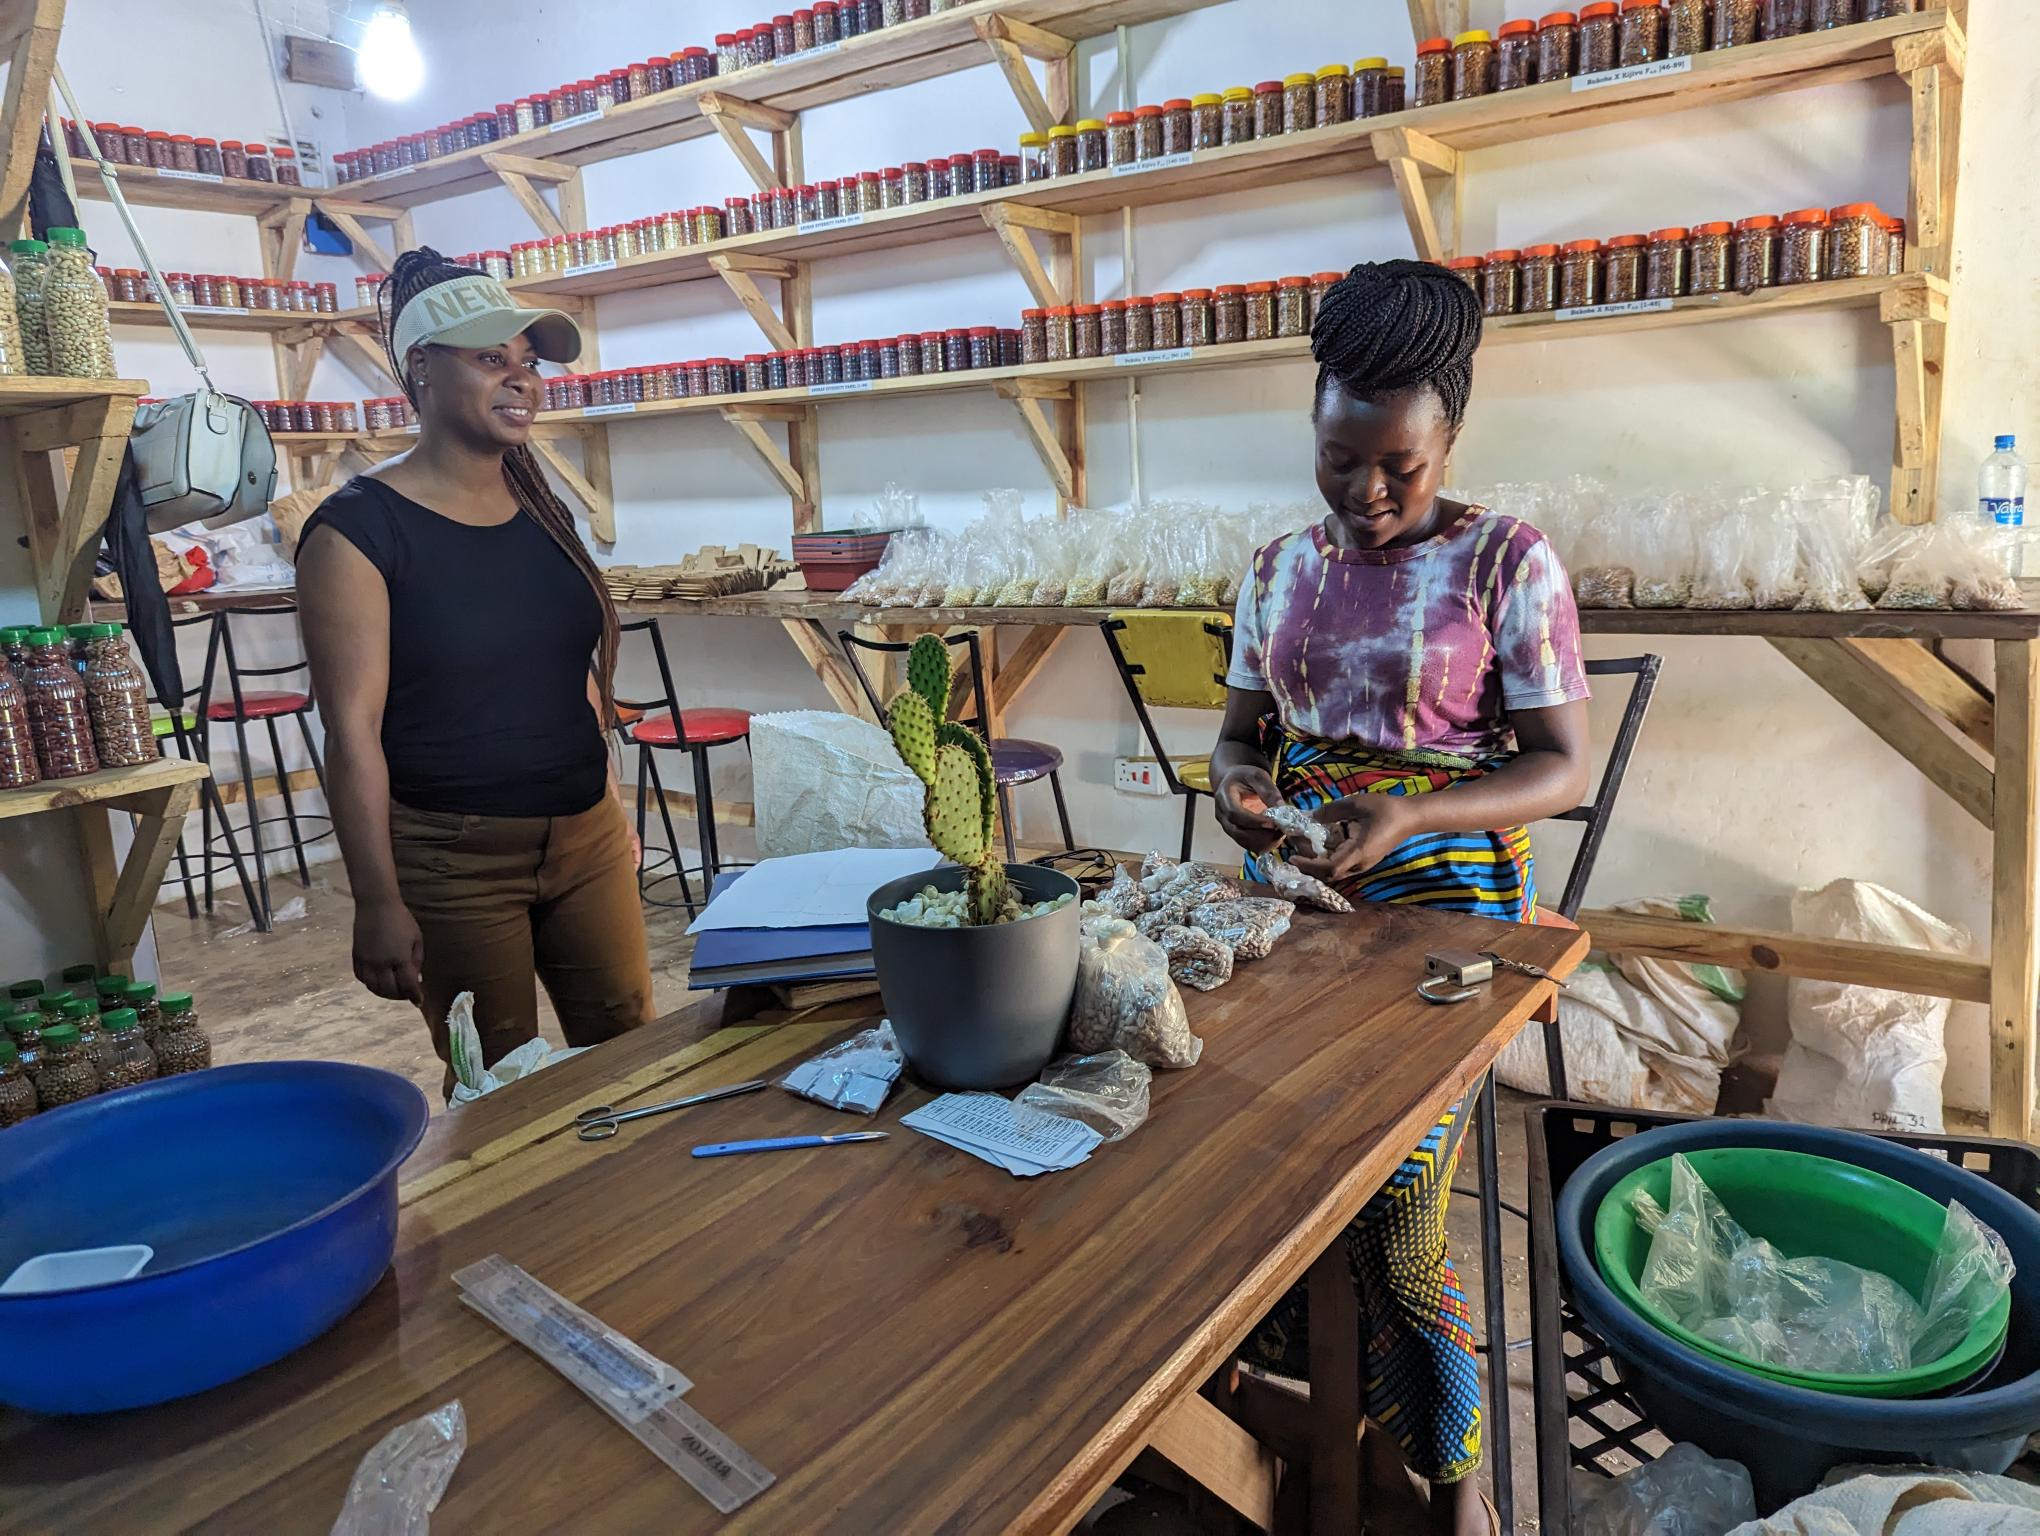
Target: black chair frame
(191, 746)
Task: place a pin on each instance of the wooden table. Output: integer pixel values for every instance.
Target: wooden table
(910, 1339)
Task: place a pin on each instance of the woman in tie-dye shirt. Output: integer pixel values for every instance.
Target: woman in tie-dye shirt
(1407, 670)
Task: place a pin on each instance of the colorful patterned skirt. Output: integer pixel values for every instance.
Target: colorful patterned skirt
(1421, 1376)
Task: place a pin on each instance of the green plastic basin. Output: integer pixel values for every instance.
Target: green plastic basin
(1805, 1206)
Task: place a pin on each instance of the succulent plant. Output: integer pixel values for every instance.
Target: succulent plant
(961, 806)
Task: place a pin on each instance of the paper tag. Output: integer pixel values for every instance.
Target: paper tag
(841, 221)
(1594, 82)
(1142, 359)
(575, 121)
(852, 387)
(1160, 163)
(590, 266)
(808, 53)
(215, 309)
(190, 175)
(623, 409)
(1601, 311)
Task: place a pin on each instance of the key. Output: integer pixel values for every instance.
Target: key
(1522, 969)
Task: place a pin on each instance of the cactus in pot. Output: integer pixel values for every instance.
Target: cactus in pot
(960, 809)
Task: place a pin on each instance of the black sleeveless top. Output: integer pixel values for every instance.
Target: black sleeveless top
(492, 635)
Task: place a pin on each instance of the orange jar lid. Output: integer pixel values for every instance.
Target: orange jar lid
(1868, 211)
(1623, 242)
(1176, 104)
(1539, 252)
(1197, 293)
(1582, 247)
(1758, 221)
(1671, 232)
(1084, 309)
(1326, 277)
(1293, 282)
(1517, 29)
(1229, 290)
(1496, 258)
(1260, 287)
(1713, 227)
(1147, 111)
(1033, 314)
(1118, 119)
(1559, 19)
(1166, 298)
(1463, 264)
(1060, 309)
(1434, 45)
(1113, 304)
(1643, 5)
(1141, 298)
(1806, 216)
(1597, 10)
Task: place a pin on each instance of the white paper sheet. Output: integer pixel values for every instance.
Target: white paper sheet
(811, 890)
(1018, 1138)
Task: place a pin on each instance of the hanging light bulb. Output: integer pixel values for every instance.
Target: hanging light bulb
(389, 62)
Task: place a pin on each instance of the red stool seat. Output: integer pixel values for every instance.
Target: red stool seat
(705, 728)
(259, 705)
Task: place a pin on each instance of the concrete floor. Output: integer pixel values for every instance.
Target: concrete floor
(291, 993)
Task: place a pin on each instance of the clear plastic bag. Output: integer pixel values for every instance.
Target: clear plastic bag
(1810, 1313)
(1094, 538)
(1300, 826)
(1156, 863)
(1833, 528)
(904, 570)
(1925, 576)
(1196, 958)
(1108, 1092)
(1013, 572)
(1129, 557)
(975, 563)
(855, 1075)
(1125, 1000)
(1605, 573)
(1125, 898)
(1983, 570)
(1685, 1492)
(1721, 567)
(1666, 552)
(1772, 562)
(1248, 927)
(1304, 890)
(404, 1475)
(1888, 548)
(1056, 549)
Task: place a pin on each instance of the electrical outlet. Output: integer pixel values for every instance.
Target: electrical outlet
(1139, 776)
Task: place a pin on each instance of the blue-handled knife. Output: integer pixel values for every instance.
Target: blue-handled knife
(784, 1143)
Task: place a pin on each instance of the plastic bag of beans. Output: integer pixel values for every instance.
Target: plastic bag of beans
(1304, 890)
(1124, 898)
(1196, 958)
(1248, 927)
(1125, 999)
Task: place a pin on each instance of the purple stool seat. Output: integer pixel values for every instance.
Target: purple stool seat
(1016, 760)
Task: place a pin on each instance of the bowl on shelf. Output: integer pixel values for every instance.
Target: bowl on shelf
(832, 561)
(267, 1192)
(1803, 1205)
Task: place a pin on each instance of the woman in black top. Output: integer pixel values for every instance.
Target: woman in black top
(462, 647)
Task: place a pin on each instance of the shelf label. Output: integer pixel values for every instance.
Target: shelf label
(210, 176)
(1635, 72)
(575, 121)
(1143, 359)
(1603, 311)
(808, 53)
(851, 387)
(215, 309)
(818, 226)
(624, 408)
(1159, 163)
(590, 266)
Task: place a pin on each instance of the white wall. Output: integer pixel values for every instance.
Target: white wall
(1748, 782)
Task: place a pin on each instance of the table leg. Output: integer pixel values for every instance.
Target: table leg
(2014, 899)
(1334, 1394)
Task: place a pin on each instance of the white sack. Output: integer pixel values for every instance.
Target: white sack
(821, 781)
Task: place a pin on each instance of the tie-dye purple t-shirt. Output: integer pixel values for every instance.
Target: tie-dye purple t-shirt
(1422, 648)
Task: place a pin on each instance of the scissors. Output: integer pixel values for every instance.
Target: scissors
(601, 1122)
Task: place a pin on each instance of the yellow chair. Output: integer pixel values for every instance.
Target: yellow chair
(1172, 659)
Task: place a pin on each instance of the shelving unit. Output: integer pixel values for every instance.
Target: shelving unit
(42, 422)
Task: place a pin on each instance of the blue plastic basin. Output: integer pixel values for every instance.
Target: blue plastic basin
(268, 1191)
(1790, 1437)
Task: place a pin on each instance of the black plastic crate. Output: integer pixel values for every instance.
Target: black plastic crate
(1584, 1417)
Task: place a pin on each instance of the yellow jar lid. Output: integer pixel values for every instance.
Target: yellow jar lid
(1062, 131)
(1238, 93)
(1369, 64)
(1333, 71)
(1205, 100)
(1471, 37)
(1033, 140)
(1289, 80)
(1395, 71)
(1090, 125)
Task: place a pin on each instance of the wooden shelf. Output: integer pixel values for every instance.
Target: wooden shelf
(266, 321)
(142, 185)
(21, 393)
(109, 786)
(919, 50)
(1535, 112)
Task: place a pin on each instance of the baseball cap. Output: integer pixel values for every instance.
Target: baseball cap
(477, 311)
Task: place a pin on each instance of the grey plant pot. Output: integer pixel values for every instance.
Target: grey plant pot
(977, 1007)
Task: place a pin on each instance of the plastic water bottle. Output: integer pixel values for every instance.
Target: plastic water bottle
(2001, 497)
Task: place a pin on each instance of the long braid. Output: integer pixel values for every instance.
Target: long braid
(1390, 326)
(413, 273)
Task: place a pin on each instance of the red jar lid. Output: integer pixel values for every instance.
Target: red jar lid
(1147, 111)
(258, 149)
(781, 21)
(185, 138)
(1598, 9)
(1293, 282)
(1258, 288)
(1671, 232)
(893, 170)
(1539, 252)
(979, 332)
(1757, 221)
(1033, 314)
(1113, 304)
(1084, 309)
(1642, 5)
(1713, 227)
(131, 272)
(1623, 242)
(1140, 299)
(868, 176)
(1806, 216)
(829, 186)
(805, 187)
(724, 39)
(281, 151)
(1167, 298)
(691, 53)
(1435, 45)
(825, 5)
(1061, 309)
(1227, 290)
(1516, 29)
(738, 202)
(1118, 119)
(803, 12)
(1463, 264)
(1326, 277)
(1505, 254)
(917, 165)
(1868, 211)
(744, 34)
(936, 336)
(1268, 88)
(955, 161)
(984, 154)
(156, 133)
(1176, 104)
(1558, 19)
(504, 106)
(956, 330)
(1197, 293)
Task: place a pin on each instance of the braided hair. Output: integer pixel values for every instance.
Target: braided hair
(1390, 326)
(413, 273)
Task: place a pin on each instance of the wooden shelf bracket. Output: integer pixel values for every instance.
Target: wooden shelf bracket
(1012, 44)
(1919, 338)
(31, 52)
(749, 422)
(64, 527)
(733, 118)
(1011, 223)
(1043, 430)
(517, 173)
(1410, 156)
(1932, 65)
(592, 488)
(741, 274)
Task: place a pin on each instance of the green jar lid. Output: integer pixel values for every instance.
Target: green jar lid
(51, 1000)
(176, 1002)
(78, 1010)
(108, 986)
(62, 234)
(139, 992)
(79, 631)
(30, 987)
(8, 1054)
(61, 1034)
(24, 1023)
(43, 637)
(28, 247)
(74, 974)
(119, 1019)
(14, 634)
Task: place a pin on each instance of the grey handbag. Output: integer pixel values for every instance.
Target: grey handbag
(202, 456)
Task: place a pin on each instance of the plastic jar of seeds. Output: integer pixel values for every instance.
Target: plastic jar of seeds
(379, 418)
(983, 340)
(1291, 307)
(1111, 329)
(1370, 87)
(1833, 13)
(985, 166)
(1058, 333)
(942, 177)
(183, 152)
(181, 1045)
(1664, 263)
(1433, 81)
(1259, 304)
(1879, 10)
(1091, 151)
(205, 155)
(156, 146)
(1622, 269)
(726, 60)
(1642, 33)
(286, 165)
(1787, 18)
(1515, 55)
(933, 356)
(1473, 65)
(18, 768)
(1033, 156)
(67, 1073)
(956, 350)
(1468, 270)
(1537, 279)
(1120, 148)
(82, 1013)
(127, 285)
(1267, 110)
(1802, 246)
(1168, 326)
(74, 310)
(1599, 26)
(24, 1032)
(31, 277)
(1334, 95)
(1236, 116)
(18, 1100)
(1228, 314)
(234, 160)
(117, 699)
(1579, 274)
(1207, 121)
(121, 1055)
(259, 168)
(913, 189)
(1685, 27)
(1894, 249)
(1499, 282)
(828, 199)
(1199, 323)
(1857, 244)
(141, 997)
(1299, 103)
(1033, 335)
(1140, 324)
(1061, 158)
(1177, 135)
(1733, 23)
(1148, 129)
